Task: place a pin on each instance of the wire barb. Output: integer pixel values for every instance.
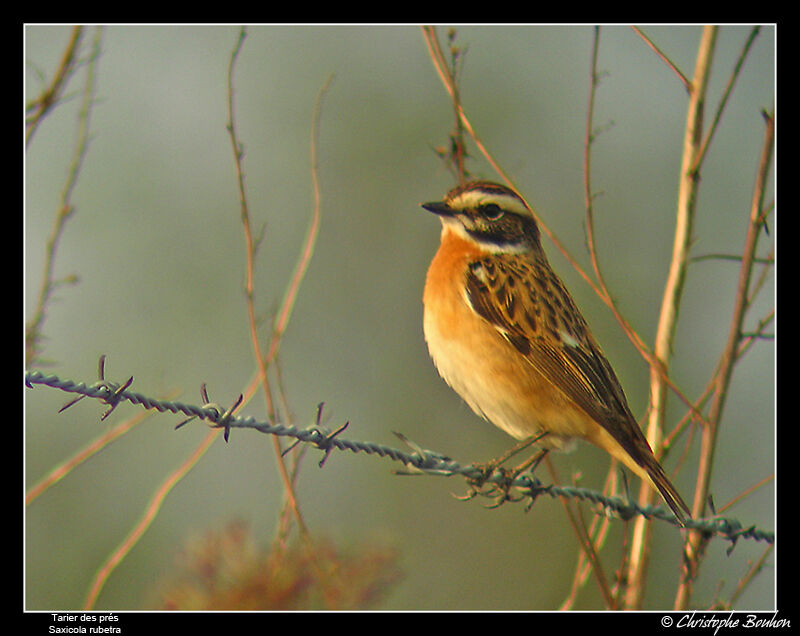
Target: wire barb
(113, 391)
(325, 443)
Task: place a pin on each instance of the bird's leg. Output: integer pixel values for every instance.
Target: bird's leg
(501, 487)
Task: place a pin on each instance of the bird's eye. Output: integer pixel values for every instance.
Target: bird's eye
(491, 211)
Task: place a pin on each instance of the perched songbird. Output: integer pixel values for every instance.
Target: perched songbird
(505, 334)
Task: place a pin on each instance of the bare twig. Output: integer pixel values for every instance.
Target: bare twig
(151, 510)
(40, 107)
(91, 449)
(307, 249)
(745, 493)
(33, 331)
(687, 197)
(261, 359)
(588, 558)
(725, 96)
(696, 541)
(449, 81)
(754, 570)
(684, 80)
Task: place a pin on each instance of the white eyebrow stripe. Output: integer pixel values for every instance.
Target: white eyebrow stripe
(475, 198)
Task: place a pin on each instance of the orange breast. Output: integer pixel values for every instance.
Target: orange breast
(444, 298)
(469, 353)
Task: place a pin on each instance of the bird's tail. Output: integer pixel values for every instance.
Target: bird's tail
(671, 496)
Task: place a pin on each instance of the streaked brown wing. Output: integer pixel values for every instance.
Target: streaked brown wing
(529, 306)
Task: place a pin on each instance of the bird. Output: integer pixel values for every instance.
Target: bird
(506, 335)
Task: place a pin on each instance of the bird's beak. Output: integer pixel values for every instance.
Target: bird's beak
(438, 207)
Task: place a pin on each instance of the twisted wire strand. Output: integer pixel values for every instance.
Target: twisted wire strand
(418, 461)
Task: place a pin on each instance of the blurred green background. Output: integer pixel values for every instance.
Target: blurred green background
(157, 243)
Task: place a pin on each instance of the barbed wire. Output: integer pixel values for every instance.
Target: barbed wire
(498, 483)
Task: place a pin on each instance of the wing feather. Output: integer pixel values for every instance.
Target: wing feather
(536, 314)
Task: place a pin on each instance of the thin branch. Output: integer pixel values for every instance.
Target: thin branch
(725, 96)
(261, 360)
(754, 570)
(750, 337)
(593, 558)
(746, 493)
(684, 80)
(449, 81)
(729, 257)
(602, 288)
(33, 331)
(40, 107)
(150, 513)
(92, 448)
(311, 235)
(284, 314)
(588, 555)
(598, 533)
(673, 293)
(695, 542)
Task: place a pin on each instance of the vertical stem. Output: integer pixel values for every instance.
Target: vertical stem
(696, 541)
(687, 197)
(261, 361)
